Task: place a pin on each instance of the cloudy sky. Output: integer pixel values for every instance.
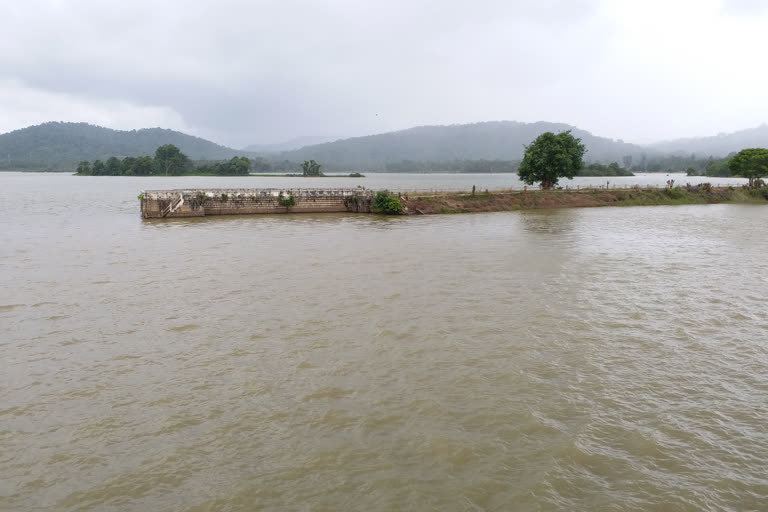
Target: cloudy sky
(261, 71)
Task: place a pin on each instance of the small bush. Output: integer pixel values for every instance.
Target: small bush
(759, 193)
(286, 202)
(140, 197)
(387, 204)
(674, 193)
(224, 197)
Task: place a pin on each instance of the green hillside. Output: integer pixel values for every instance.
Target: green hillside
(59, 146)
(497, 140)
(480, 147)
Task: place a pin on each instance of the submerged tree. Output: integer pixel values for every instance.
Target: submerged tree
(112, 166)
(311, 168)
(84, 167)
(751, 163)
(98, 168)
(238, 166)
(551, 157)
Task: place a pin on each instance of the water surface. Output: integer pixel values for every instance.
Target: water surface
(582, 359)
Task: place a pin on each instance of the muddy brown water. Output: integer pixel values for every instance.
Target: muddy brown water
(581, 359)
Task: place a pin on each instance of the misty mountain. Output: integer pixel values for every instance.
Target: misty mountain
(495, 140)
(289, 145)
(60, 145)
(718, 146)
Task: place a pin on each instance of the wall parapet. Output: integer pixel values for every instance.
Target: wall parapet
(246, 201)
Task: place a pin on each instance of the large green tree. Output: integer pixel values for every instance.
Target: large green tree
(751, 163)
(171, 160)
(311, 168)
(84, 168)
(112, 166)
(144, 166)
(128, 166)
(551, 157)
(98, 168)
(238, 166)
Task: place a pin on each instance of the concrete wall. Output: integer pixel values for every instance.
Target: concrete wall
(202, 202)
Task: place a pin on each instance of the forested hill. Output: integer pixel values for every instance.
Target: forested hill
(59, 146)
(719, 145)
(289, 145)
(496, 140)
(496, 145)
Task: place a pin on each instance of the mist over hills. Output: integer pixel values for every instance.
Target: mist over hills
(493, 140)
(290, 145)
(718, 145)
(60, 145)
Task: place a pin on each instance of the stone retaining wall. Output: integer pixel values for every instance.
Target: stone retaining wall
(202, 202)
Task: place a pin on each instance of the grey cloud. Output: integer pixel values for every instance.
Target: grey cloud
(249, 72)
(745, 7)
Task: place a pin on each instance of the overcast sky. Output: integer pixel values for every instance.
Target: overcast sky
(260, 71)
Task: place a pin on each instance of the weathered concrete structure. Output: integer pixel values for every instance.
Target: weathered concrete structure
(242, 201)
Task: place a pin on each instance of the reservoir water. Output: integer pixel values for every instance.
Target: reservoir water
(604, 359)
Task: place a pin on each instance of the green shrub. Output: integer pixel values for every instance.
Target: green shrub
(674, 193)
(286, 202)
(140, 197)
(224, 197)
(386, 203)
(759, 193)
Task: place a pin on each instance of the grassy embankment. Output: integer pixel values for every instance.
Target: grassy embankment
(531, 199)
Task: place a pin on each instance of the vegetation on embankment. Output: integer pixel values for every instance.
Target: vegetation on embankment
(531, 199)
(385, 203)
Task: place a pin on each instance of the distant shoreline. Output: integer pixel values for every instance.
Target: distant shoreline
(273, 175)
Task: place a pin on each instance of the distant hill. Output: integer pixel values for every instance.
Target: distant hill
(57, 146)
(496, 140)
(60, 146)
(289, 145)
(719, 145)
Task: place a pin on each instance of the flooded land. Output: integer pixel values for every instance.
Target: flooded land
(564, 359)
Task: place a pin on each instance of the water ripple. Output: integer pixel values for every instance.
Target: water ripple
(599, 359)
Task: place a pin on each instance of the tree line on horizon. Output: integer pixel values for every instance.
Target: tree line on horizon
(60, 146)
(168, 161)
(481, 147)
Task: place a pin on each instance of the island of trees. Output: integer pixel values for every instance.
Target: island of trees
(168, 161)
